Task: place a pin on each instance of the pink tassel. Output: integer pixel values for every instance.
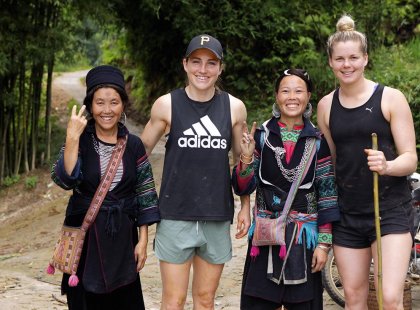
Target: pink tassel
(50, 269)
(73, 280)
(255, 251)
(282, 252)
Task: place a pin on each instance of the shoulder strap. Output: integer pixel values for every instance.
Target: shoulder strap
(106, 181)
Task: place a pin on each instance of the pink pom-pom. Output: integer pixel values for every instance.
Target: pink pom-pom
(50, 269)
(282, 252)
(255, 251)
(73, 280)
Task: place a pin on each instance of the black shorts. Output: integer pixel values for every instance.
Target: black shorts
(358, 231)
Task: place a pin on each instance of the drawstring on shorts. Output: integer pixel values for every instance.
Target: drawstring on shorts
(196, 226)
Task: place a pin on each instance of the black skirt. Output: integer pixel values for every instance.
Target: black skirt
(128, 297)
(258, 292)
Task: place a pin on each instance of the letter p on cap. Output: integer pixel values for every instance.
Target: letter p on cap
(204, 39)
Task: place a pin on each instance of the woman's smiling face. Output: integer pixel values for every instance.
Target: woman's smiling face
(348, 61)
(203, 69)
(107, 108)
(292, 98)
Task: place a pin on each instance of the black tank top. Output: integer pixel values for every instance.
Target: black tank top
(196, 174)
(351, 131)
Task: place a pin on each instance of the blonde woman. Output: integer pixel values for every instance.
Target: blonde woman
(348, 116)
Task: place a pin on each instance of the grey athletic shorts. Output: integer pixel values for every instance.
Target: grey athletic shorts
(178, 241)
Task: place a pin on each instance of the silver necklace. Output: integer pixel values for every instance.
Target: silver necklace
(289, 174)
(101, 149)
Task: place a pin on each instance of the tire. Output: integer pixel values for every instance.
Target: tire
(332, 282)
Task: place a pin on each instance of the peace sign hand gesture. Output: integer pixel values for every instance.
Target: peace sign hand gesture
(77, 123)
(247, 141)
(75, 127)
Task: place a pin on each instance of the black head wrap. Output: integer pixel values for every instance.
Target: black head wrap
(104, 75)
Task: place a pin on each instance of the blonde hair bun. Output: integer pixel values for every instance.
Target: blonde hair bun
(345, 23)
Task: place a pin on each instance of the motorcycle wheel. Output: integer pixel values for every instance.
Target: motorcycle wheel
(332, 282)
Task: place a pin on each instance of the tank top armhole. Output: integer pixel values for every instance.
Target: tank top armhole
(227, 99)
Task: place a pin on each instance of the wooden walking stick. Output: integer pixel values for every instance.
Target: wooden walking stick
(377, 226)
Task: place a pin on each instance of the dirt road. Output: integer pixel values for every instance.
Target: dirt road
(30, 222)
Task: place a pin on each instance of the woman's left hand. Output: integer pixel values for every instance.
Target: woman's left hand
(140, 254)
(319, 259)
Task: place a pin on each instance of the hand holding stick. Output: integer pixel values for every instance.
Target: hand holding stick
(377, 226)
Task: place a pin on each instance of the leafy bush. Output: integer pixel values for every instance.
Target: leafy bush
(30, 182)
(10, 180)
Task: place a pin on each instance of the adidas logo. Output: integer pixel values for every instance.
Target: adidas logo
(204, 136)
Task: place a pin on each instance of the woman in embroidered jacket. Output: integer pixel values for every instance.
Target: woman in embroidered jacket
(113, 251)
(272, 157)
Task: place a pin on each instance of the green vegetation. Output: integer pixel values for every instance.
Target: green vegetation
(10, 180)
(70, 105)
(398, 66)
(30, 182)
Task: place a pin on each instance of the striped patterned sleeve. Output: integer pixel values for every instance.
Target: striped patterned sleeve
(146, 195)
(244, 181)
(328, 211)
(60, 176)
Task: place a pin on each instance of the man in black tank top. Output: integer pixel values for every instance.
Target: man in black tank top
(348, 116)
(202, 125)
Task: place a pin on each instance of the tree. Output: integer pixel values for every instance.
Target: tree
(32, 34)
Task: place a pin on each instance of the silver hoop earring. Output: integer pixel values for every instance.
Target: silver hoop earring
(276, 112)
(308, 111)
(123, 118)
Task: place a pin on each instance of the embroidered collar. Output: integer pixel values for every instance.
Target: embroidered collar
(295, 126)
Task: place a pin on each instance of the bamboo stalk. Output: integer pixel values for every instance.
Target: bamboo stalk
(377, 227)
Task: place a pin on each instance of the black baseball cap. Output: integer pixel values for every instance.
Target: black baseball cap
(205, 41)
